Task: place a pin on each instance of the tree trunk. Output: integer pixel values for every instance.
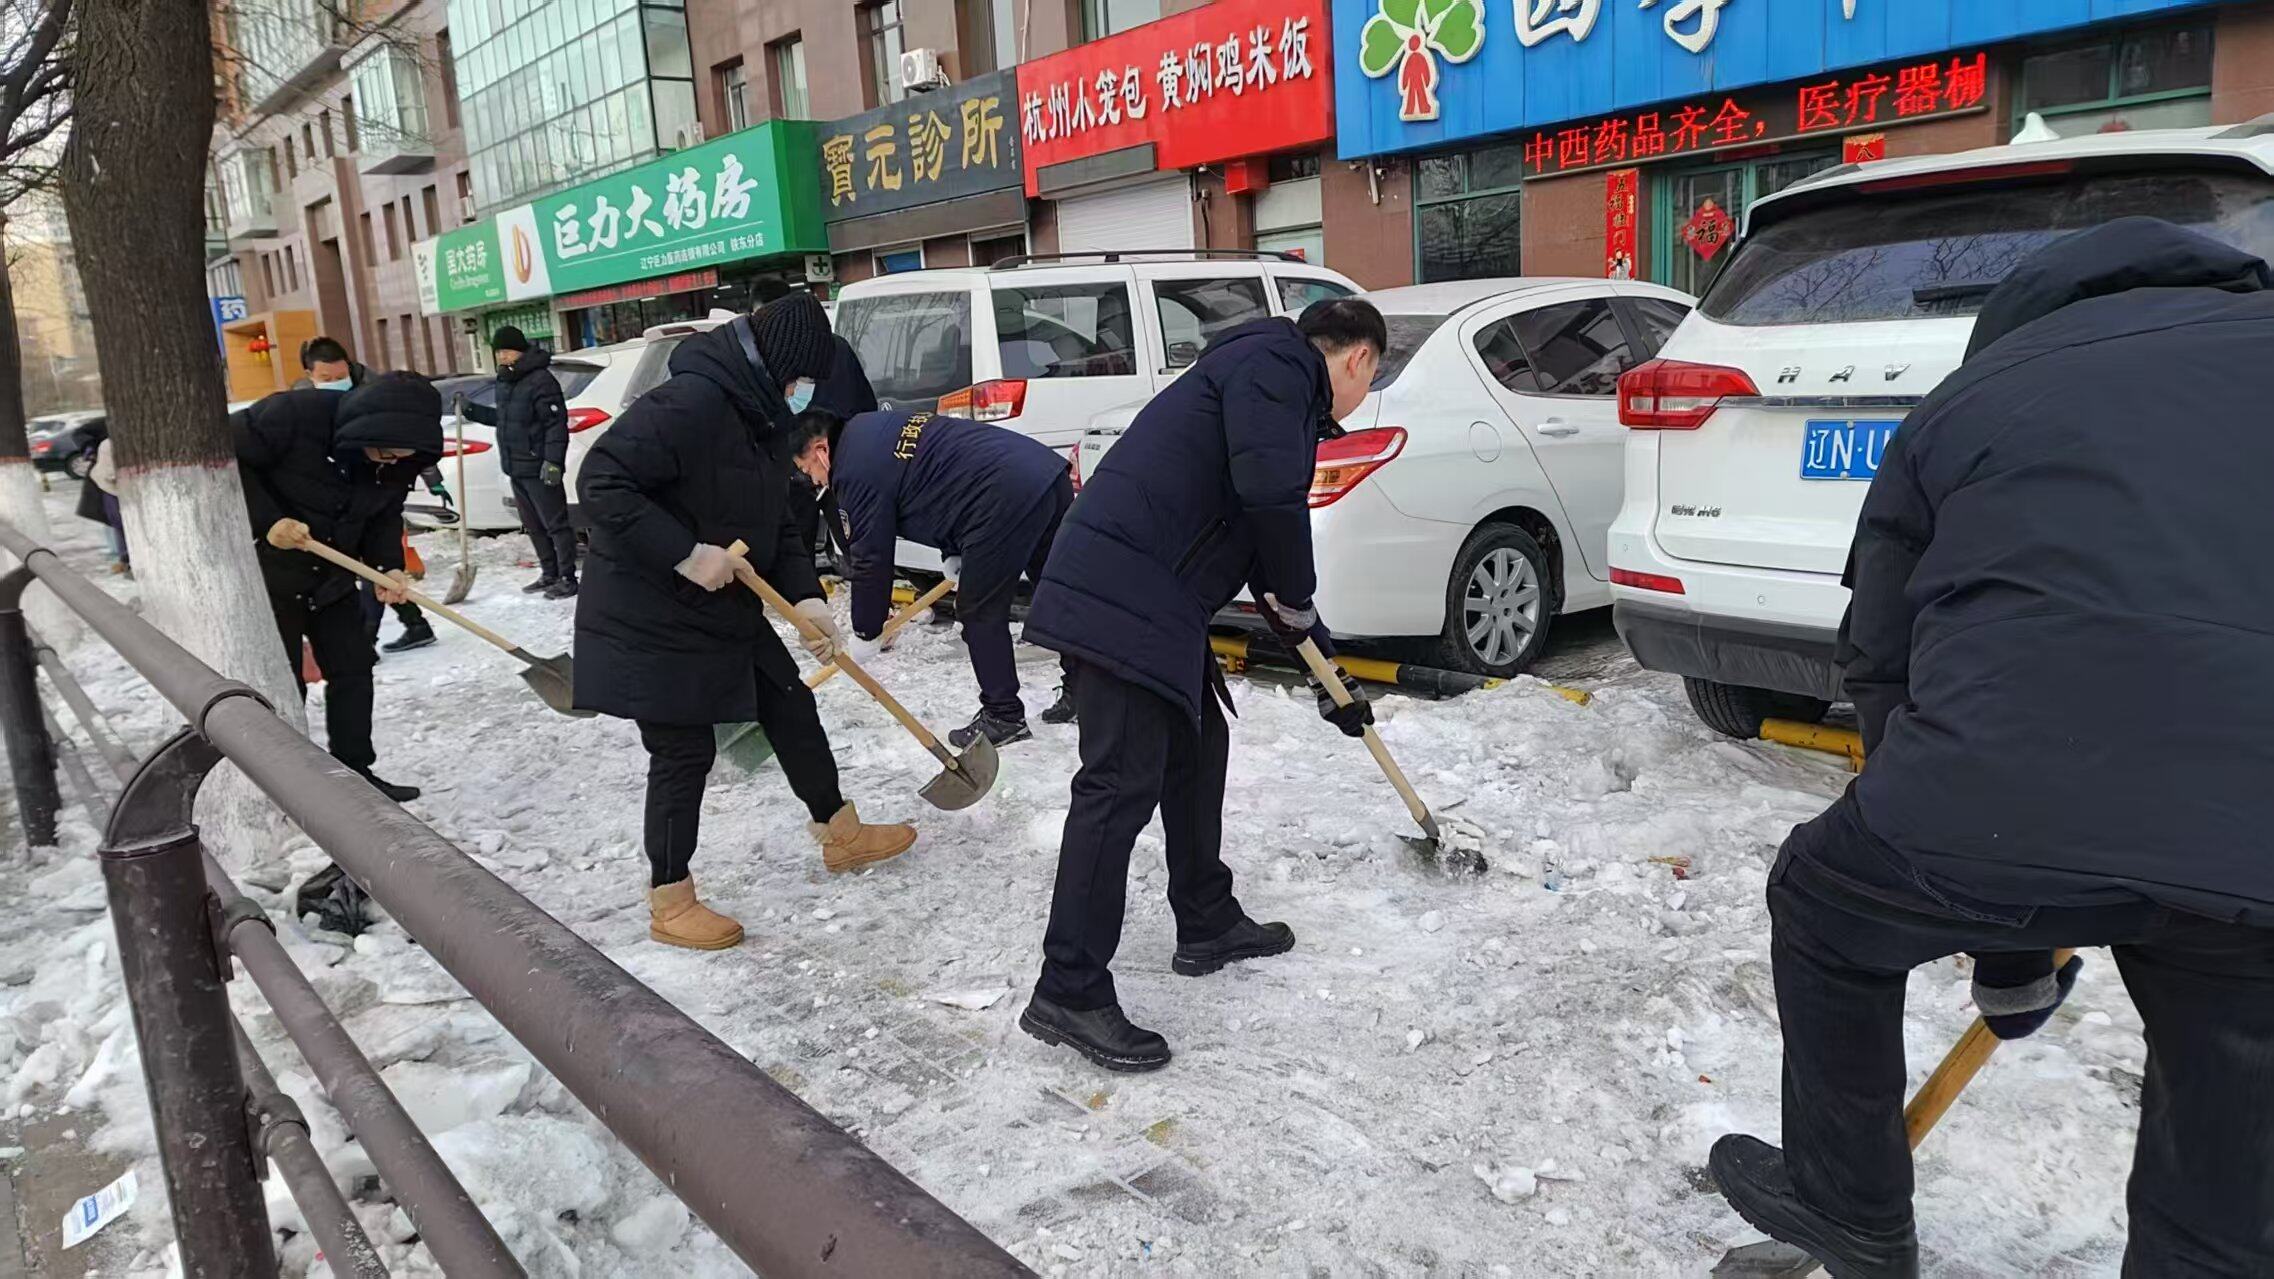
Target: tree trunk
(133, 190)
(20, 504)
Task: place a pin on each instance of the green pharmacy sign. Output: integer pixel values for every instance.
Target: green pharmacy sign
(1408, 36)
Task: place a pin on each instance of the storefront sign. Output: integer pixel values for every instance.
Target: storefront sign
(942, 145)
(663, 286)
(1233, 78)
(1621, 205)
(749, 194)
(1419, 73)
(469, 269)
(1940, 86)
(424, 266)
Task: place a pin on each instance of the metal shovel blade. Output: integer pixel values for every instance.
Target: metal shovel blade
(554, 681)
(1451, 845)
(965, 781)
(461, 585)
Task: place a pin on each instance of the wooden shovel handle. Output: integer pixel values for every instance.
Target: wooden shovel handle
(1331, 678)
(448, 614)
(1959, 1066)
(774, 599)
(891, 628)
(458, 425)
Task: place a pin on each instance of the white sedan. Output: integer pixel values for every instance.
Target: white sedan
(1471, 499)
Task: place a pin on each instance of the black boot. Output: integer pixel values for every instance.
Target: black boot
(563, 588)
(1000, 731)
(1062, 710)
(1244, 940)
(1104, 1035)
(399, 794)
(418, 636)
(541, 585)
(1753, 1178)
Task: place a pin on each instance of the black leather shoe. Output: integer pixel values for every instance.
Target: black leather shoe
(1000, 731)
(563, 589)
(1753, 1178)
(1102, 1035)
(1062, 710)
(1244, 940)
(412, 637)
(540, 586)
(399, 794)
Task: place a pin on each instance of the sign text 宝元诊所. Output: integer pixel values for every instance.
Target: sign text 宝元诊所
(942, 145)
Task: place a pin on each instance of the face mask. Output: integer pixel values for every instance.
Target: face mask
(342, 384)
(801, 395)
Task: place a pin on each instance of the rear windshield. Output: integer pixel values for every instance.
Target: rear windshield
(574, 376)
(1890, 257)
(915, 347)
(1407, 333)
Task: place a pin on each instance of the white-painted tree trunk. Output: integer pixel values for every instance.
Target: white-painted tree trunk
(201, 585)
(21, 508)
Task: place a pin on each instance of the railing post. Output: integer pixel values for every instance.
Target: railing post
(31, 754)
(154, 868)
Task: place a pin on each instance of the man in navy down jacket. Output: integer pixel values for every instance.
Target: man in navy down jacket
(1206, 493)
(2061, 648)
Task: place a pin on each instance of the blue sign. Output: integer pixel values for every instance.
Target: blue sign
(226, 310)
(1416, 73)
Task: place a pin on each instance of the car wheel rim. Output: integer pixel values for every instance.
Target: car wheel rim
(1500, 608)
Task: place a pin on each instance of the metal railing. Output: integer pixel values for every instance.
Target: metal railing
(789, 1192)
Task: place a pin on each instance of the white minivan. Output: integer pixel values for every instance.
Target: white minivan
(1847, 299)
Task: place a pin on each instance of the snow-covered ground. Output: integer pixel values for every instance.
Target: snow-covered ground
(1512, 1075)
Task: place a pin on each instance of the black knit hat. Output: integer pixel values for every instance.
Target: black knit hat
(391, 411)
(508, 338)
(793, 338)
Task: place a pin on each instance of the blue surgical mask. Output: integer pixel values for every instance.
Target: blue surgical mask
(801, 394)
(343, 384)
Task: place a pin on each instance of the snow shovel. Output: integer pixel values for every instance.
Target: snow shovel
(1775, 1259)
(552, 677)
(461, 582)
(1458, 844)
(964, 779)
(745, 745)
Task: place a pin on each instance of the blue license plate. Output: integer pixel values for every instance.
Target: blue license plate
(1842, 450)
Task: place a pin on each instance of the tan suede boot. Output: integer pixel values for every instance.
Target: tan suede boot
(847, 844)
(675, 918)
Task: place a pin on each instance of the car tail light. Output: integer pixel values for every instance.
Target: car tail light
(450, 448)
(1670, 395)
(43, 447)
(1346, 460)
(1074, 466)
(988, 401)
(584, 419)
(1646, 581)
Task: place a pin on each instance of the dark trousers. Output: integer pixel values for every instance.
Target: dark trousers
(545, 518)
(1019, 549)
(679, 758)
(367, 603)
(344, 654)
(1139, 751)
(1852, 918)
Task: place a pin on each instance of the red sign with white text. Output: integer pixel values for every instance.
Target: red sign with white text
(1233, 78)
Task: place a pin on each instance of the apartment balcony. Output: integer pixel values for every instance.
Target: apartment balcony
(252, 217)
(289, 47)
(390, 108)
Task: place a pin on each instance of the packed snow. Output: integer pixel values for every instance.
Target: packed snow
(1513, 1074)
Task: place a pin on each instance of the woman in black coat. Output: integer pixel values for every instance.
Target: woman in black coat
(665, 635)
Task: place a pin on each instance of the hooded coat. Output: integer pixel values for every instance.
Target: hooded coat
(301, 456)
(1208, 491)
(531, 416)
(2061, 640)
(698, 459)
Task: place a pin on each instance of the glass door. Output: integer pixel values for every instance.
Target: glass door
(1698, 210)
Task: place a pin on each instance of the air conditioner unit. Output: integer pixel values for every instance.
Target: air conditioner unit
(920, 69)
(687, 135)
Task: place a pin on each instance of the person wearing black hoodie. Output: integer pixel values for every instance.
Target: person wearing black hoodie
(336, 466)
(665, 634)
(531, 417)
(2061, 649)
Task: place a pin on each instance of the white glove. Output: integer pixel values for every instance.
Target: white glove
(954, 568)
(865, 651)
(825, 645)
(1297, 619)
(710, 567)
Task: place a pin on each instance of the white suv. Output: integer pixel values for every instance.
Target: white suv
(1847, 299)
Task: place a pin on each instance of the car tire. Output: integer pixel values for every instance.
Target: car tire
(79, 464)
(1490, 626)
(1735, 710)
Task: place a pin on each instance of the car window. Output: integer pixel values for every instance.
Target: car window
(1066, 330)
(1882, 256)
(1657, 318)
(1193, 312)
(574, 376)
(1407, 333)
(1504, 356)
(915, 346)
(1576, 348)
(1295, 294)
(654, 367)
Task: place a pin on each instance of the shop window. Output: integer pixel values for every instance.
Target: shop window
(1697, 211)
(880, 33)
(1468, 215)
(895, 261)
(1102, 18)
(788, 63)
(1307, 243)
(1193, 312)
(1065, 330)
(1292, 168)
(2158, 78)
(987, 251)
(732, 84)
(916, 347)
